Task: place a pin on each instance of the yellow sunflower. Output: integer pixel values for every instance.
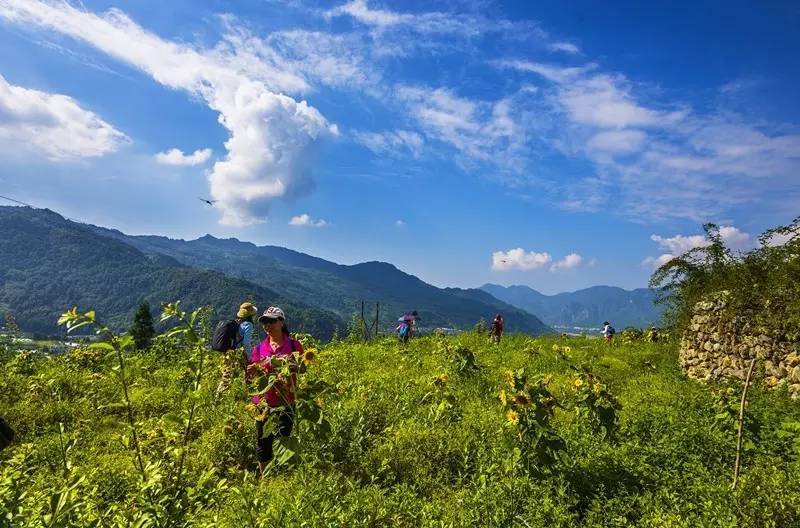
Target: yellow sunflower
(512, 416)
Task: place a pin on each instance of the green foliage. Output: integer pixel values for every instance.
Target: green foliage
(389, 437)
(142, 329)
(595, 404)
(761, 286)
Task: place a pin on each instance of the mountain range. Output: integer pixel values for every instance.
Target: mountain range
(49, 263)
(586, 308)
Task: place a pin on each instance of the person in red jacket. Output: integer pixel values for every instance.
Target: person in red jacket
(277, 344)
(497, 328)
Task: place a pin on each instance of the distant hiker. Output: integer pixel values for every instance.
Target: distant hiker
(228, 337)
(280, 397)
(652, 335)
(403, 331)
(608, 331)
(405, 326)
(496, 331)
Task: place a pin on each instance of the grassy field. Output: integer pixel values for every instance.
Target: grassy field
(445, 431)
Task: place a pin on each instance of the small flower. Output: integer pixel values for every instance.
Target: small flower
(567, 349)
(512, 416)
(578, 383)
(555, 347)
(509, 376)
(503, 398)
(309, 356)
(597, 388)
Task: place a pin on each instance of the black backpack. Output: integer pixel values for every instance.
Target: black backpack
(6, 434)
(226, 336)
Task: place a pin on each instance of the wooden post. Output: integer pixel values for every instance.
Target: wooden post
(363, 323)
(741, 425)
(377, 311)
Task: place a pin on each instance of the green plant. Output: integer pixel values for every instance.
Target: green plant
(529, 408)
(595, 404)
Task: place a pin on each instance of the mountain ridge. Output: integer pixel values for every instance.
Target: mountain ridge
(584, 308)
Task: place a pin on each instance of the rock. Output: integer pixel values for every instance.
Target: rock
(794, 377)
(793, 359)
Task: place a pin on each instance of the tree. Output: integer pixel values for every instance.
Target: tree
(11, 325)
(142, 329)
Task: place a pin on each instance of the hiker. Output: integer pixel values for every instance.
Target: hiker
(608, 331)
(280, 396)
(652, 335)
(403, 330)
(405, 326)
(228, 337)
(496, 332)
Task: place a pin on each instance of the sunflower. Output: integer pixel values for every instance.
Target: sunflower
(578, 383)
(521, 399)
(512, 416)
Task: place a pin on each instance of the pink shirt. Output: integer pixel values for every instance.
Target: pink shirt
(280, 393)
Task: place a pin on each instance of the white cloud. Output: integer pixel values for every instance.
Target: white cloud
(432, 22)
(662, 161)
(573, 260)
(396, 141)
(53, 124)
(519, 259)
(617, 141)
(399, 223)
(304, 220)
(271, 134)
(566, 47)
(479, 130)
(657, 262)
(177, 157)
(734, 239)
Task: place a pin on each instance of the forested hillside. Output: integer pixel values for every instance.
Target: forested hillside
(48, 264)
(336, 287)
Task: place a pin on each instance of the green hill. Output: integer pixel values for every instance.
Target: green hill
(48, 264)
(336, 287)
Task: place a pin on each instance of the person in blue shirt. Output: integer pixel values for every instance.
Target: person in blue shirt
(233, 359)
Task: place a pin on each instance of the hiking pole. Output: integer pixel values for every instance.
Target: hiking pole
(741, 425)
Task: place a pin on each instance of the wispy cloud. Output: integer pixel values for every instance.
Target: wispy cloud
(485, 131)
(304, 220)
(271, 134)
(393, 142)
(177, 157)
(564, 47)
(663, 160)
(53, 124)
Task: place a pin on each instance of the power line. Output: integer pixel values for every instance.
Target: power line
(15, 201)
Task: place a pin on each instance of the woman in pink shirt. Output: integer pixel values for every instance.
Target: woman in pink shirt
(277, 344)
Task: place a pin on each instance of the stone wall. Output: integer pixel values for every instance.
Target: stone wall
(716, 346)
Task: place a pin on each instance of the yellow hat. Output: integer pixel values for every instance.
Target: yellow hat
(246, 310)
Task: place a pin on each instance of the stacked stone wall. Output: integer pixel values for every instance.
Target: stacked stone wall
(717, 345)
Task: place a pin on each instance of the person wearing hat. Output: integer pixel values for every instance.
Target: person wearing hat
(277, 344)
(232, 360)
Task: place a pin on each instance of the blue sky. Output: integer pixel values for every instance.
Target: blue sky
(553, 144)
